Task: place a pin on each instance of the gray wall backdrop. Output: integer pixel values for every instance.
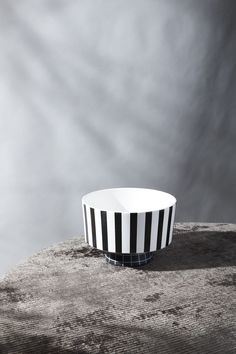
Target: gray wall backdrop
(98, 94)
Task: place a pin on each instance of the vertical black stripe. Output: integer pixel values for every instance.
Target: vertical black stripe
(93, 227)
(118, 236)
(86, 224)
(104, 230)
(148, 225)
(160, 228)
(168, 228)
(133, 232)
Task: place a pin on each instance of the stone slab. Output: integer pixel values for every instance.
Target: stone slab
(67, 299)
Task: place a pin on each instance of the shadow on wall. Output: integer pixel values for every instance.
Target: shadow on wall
(113, 94)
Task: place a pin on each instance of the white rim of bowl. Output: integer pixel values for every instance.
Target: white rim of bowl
(86, 200)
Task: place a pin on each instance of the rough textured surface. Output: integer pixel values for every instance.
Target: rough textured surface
(66, 299)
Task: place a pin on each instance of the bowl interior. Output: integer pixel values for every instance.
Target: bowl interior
(129, 200)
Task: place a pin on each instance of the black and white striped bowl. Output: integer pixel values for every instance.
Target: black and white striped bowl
(128, 224)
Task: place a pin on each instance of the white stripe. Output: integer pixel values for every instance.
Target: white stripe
(172, 223)
(90, 238)
(165, 225)
(154, 229)
(111, 232)
(84, 222)
(98, 229)
(140, 232)
(125, 232)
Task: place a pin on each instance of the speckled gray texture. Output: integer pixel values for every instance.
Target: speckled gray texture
(67, 299)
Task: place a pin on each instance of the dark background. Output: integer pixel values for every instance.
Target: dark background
(100, 94)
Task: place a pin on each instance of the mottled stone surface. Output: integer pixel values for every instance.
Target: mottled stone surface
(67, 299)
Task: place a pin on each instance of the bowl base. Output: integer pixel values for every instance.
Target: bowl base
(129, 260)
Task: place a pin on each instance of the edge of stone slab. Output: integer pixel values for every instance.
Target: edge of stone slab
(200, 227)
(79, 241)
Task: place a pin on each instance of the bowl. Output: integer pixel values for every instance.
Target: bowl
(128, 224)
